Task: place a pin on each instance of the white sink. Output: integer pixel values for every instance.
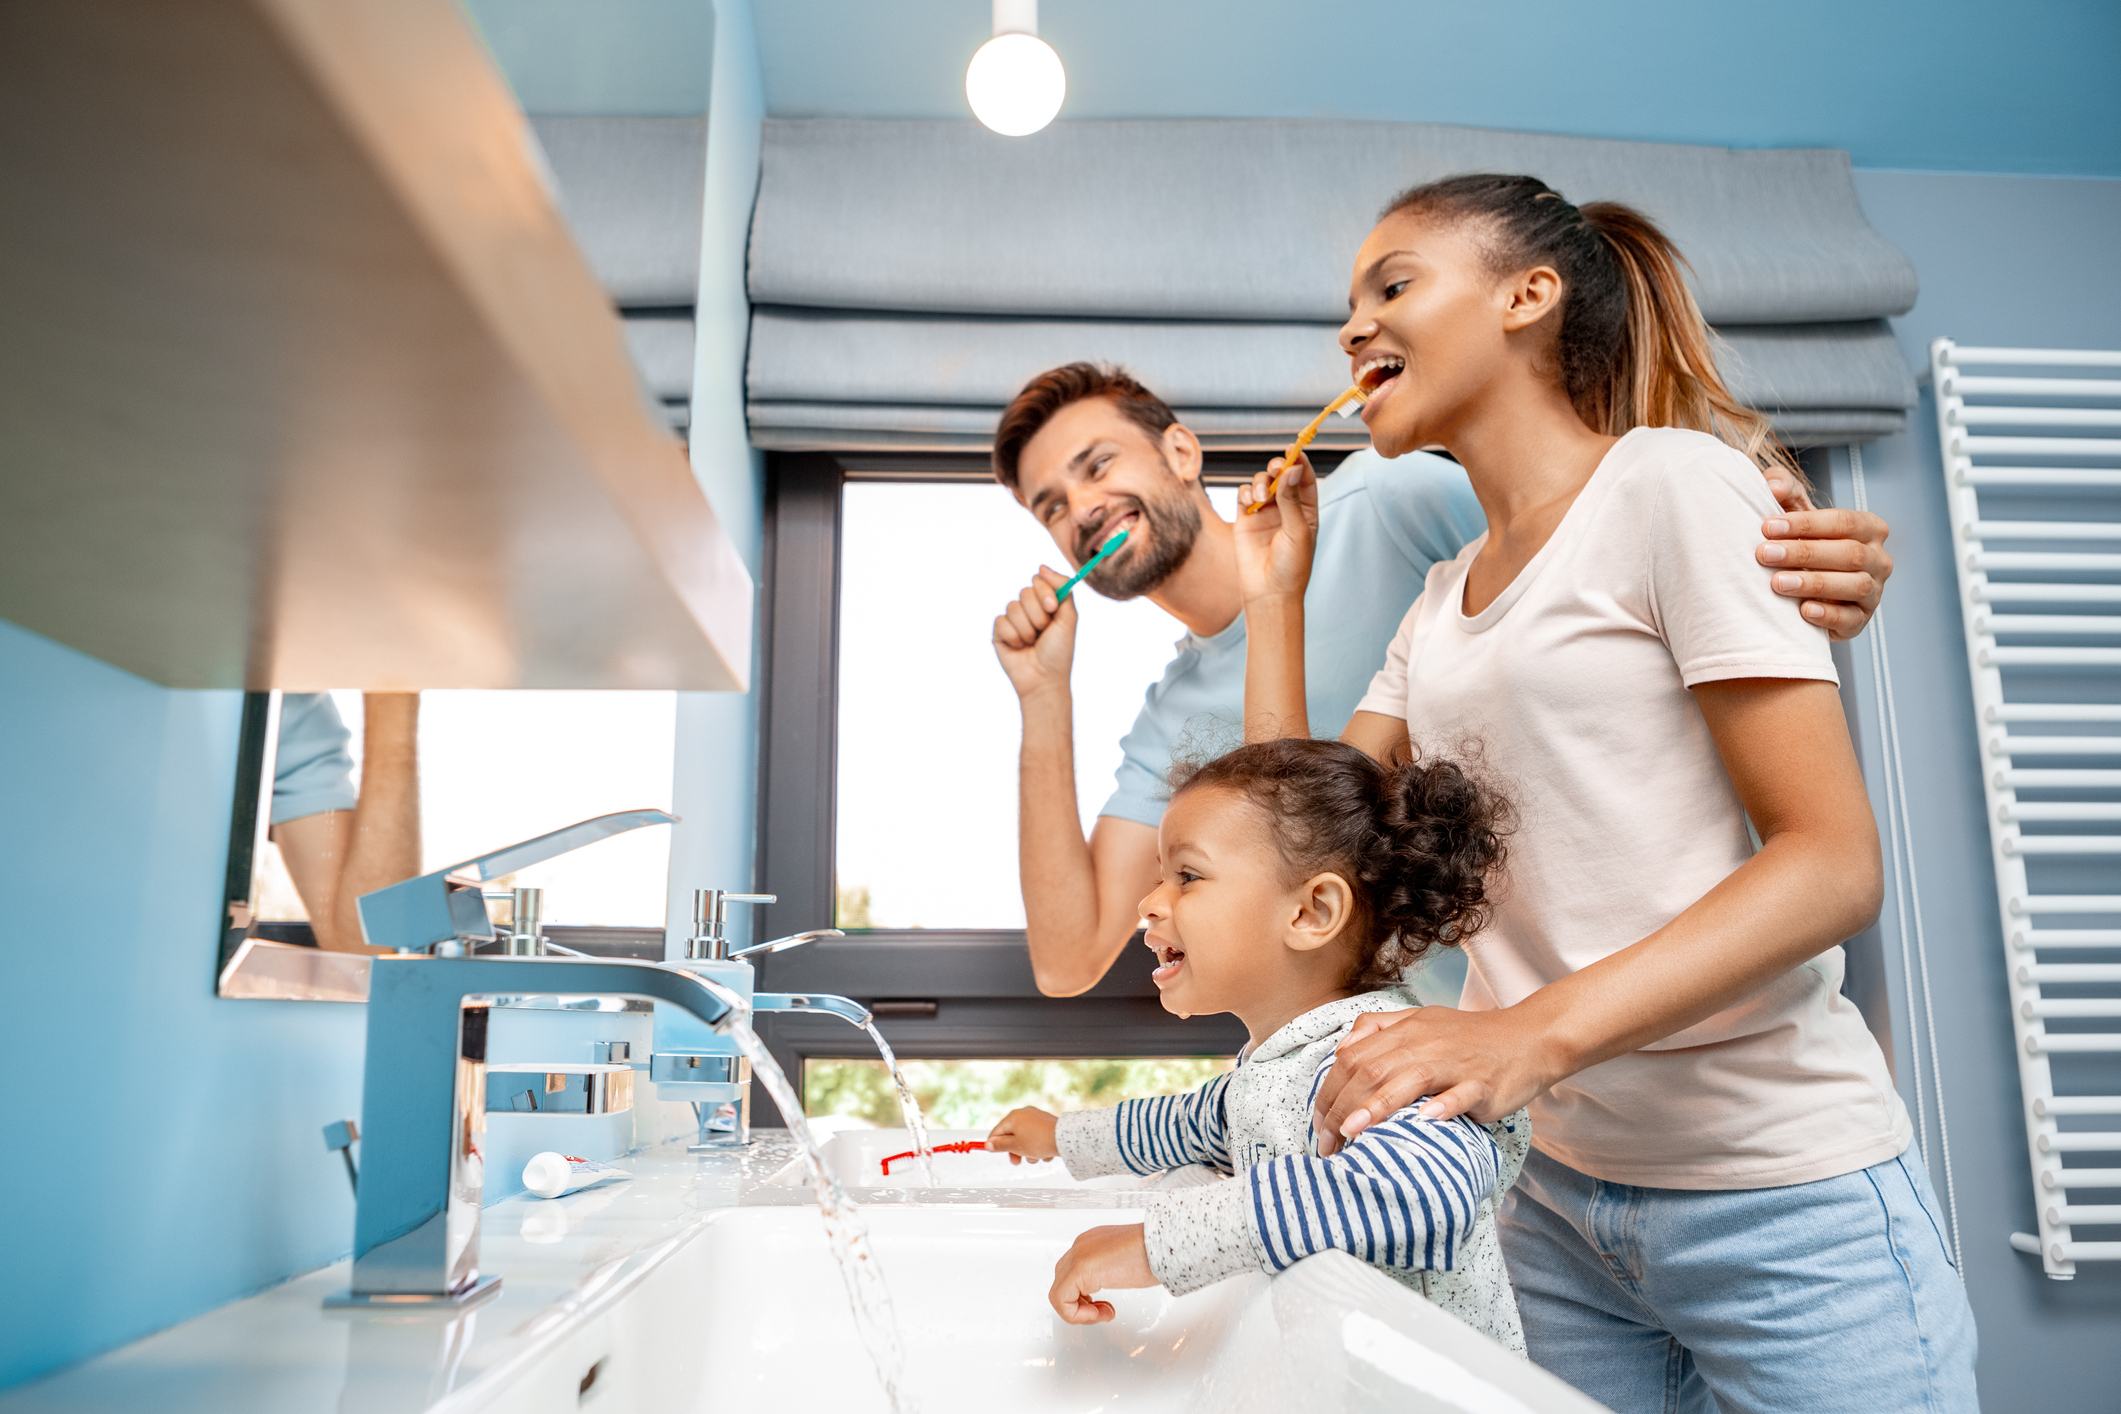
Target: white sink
(694, 1289)
(751, 1315)
(857, 1155)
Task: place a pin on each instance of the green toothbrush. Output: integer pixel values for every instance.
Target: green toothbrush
(1095, 560)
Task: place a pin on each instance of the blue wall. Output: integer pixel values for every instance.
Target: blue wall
(167, 1149)
(2004, 261)
(1955, 85)
(182, 1132)
(611, 58)
(645, 58)
(716, 789)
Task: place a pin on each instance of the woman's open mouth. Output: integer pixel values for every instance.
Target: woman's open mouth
(1377, 377)
(1168, 961)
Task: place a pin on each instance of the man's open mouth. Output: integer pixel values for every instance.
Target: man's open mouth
(1168, 961)
(1087, 547)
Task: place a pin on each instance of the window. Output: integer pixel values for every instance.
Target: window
(889, 759)
(972, 1094)
(929, 725)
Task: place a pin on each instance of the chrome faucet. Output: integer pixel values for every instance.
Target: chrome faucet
(710, 916)
(526, 925)
(423, 1107)
(706, 1070)
(449, 915)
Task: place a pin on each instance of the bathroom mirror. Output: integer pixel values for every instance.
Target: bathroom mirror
(341, 793)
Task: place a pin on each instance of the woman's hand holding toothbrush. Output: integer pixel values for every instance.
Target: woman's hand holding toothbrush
(1274, 545)
(1274, 550)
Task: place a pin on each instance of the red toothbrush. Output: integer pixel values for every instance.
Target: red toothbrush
(967, 1146)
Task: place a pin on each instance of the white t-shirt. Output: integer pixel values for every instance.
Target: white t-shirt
(1572, 686)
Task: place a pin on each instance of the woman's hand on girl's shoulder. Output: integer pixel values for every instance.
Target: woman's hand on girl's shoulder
(1274, 545)
(1480, 1063)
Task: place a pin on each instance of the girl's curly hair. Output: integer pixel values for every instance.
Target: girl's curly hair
(1421, 841)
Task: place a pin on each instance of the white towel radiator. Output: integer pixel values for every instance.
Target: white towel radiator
(2041, 600)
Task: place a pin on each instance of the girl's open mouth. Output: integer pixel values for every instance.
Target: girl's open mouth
(1168, 961)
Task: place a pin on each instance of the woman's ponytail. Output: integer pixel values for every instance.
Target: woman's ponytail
(1633, 347)
(1664, 373)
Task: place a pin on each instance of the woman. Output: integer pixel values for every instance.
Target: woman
(1719, 1210)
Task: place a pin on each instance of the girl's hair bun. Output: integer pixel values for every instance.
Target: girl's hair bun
(1421, 841)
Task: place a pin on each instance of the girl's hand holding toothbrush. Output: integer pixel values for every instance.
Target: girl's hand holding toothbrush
(1025, 1134)
(1274, 544)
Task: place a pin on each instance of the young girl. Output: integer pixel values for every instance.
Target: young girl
(1300, 880)
(1720, 1211)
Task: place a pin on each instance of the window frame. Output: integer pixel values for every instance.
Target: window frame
(940, 993)
(952, 993)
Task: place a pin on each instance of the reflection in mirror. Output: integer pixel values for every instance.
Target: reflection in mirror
(336, 831)
(342, 793)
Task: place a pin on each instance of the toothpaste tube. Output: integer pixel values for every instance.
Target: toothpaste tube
(551, 1175)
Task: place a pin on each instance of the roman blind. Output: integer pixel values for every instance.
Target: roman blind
(631, 189)
(907, 277)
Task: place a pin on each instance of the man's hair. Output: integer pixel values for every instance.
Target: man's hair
(1055, 389)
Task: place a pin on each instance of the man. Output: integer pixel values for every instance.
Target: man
(338, 842)
(1089, 451)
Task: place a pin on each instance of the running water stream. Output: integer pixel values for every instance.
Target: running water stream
(924, 1154)
(845, 1229)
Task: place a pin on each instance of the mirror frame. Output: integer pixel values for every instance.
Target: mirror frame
(249, 818)
(279, 961)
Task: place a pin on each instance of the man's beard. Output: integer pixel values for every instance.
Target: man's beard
(1134, 570)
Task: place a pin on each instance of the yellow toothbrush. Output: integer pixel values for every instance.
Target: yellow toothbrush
(1355, 396)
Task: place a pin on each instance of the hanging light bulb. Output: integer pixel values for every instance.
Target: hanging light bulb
(1015, 83)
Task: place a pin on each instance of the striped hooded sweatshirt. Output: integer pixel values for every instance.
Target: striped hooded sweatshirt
(1414, 1198)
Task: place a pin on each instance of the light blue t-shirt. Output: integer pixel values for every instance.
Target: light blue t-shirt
(312, 769)
(1381, 524)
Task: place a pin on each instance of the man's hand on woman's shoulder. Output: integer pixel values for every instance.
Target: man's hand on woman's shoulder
(1833, 561)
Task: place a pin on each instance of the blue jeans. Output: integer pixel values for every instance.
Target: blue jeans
(1820, 1297)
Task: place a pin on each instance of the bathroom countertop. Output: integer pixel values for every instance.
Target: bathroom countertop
(561, 1261)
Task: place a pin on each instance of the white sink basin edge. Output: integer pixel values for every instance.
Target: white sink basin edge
(750, 1314)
